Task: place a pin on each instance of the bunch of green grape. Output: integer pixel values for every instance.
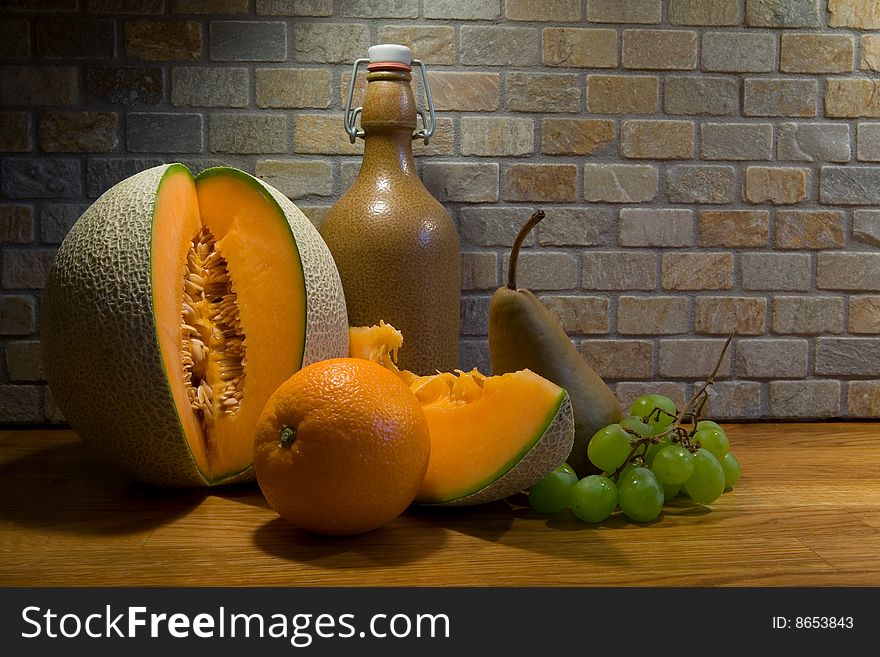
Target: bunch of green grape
(646, 459)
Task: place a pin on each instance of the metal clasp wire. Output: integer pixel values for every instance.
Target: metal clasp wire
(350, 115)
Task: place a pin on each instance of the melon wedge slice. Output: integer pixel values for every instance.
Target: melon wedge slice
(174, 308)
(491, 437)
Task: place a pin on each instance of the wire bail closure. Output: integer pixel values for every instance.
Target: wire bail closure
(350, 115)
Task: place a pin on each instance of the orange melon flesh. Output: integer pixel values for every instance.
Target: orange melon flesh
(252, 235)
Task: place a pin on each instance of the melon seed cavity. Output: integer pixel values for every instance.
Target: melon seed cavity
(213, 349)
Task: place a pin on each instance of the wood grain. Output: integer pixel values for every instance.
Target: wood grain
(806, 512)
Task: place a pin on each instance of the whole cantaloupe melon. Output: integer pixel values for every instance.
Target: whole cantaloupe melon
(173, 309)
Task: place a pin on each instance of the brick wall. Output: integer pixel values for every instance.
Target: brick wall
(705, 165)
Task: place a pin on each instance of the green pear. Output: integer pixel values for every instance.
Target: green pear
(524, 334)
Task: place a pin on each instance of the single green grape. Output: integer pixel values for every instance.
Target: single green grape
(706, 483)
(708, 424)
(715, 440)
(673, 465)
(639, 495)
(593, 498)
(609, 448)
(552, 493)
(634, 424)
(670, 491)
(654, 449)
(732, 470)
(647, 405)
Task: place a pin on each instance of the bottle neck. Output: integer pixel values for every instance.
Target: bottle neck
(388, 120)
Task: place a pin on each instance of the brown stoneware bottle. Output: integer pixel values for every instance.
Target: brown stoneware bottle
(396, 247)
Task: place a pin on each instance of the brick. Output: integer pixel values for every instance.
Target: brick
(849, 185)
(804, 400)
(249, 133)
(209, 87)
(542, 92)
(622, 94)
(780, 97)
(734, 228)
(628, 391)
(41, 6)
(162, 41)
(624, 11)
(294, 7)
(57, 219)
(863, 399)
(126, 85)
(868, 142)
(479, 270)
(810, 229)
(577, 136)
(575, 226)
(659, 49)
(474, 318)
(469, 182)
(619, 359)
(475, 354)
(686, 183)
(701, 95)
(442, 141)
(209, 6)
(579, 47)
(739, 52)
(545, 270)
(495, 45)
(848, 356)
(433, 44)
(721, 315)
(248, 41)
(536, 10)
(817, 53)
(103, 173)
(496, 136)
(78, 132)
(26, 269)
(380, 8)
(279, 88)
(810, 142)
(28, 177)
(860, 14)
(772, 358)
(541, 182)
(24, 361)
(692, 358)
(782, 13)
(17, 315)
(704, 12)
(852, 98)
(324, 134)
(657, 140)
(866, 226)
(16, 224)
(776, 185)
(864, 314)
(75, 38)
(736, 141)
(15, 132)
(297, 179)
(330, 43)
(620, 183)
(775, 271)
(579, 315)
(734, 400)
(807, 315)
(20, 404)
(869, 48)
(465, 92)
(656, 227)
(848, 271)
(125, 6)
(613, 270)
(489, 226)
(39, 85)
(16, 42)
(315, 213)
(656, 315)
(696, 271)
(164, 132)
(463, 9)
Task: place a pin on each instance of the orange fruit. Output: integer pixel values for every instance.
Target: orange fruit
(341, 447)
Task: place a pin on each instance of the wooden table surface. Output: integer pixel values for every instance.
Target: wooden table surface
(806, 512)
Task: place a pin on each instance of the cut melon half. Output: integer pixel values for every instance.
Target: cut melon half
(491, 437)
(174, 308)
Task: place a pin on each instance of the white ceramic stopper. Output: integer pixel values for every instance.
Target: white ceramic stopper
(390, 52)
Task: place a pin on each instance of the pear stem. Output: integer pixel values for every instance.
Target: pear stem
(520, 238)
